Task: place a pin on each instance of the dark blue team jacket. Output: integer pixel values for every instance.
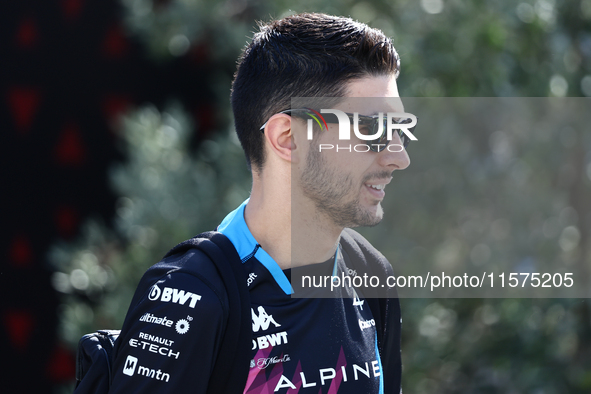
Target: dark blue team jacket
(326, 342)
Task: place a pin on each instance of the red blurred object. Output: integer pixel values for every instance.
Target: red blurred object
(26, 35)
(21, 254)
(71, 8)
(205, 116)
(66, 219)
(62, 365)
(115, 44)
(19, 324)
(114, 105)
(200, 53)
(23, 104)
(70, 150)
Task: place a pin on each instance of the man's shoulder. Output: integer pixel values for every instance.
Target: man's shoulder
(362, 250)
(204, 256)
(191, 261)
(191, 269)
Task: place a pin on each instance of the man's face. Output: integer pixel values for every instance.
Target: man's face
(347, 187)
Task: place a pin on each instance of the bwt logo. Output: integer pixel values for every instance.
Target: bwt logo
(175, 296)
(344, 119)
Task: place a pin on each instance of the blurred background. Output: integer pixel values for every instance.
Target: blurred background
(117, 144)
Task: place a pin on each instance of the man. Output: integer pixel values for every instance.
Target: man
(301, 201)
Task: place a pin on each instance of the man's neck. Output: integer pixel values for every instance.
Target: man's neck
(277, 226)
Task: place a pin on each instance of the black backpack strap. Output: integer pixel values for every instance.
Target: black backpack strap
(232, 363)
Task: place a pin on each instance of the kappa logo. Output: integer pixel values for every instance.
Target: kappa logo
(175, 296)
(263, 320)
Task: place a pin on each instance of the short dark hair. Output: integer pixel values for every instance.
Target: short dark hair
(304, 55)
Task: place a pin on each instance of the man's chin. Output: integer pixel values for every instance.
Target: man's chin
(370, 217)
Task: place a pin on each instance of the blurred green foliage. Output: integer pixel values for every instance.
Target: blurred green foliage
(448, 48)
(512, 196)
(167, 195)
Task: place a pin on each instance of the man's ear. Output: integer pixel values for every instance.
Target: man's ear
(279, 137)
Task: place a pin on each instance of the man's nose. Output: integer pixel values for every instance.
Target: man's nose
(394, 156)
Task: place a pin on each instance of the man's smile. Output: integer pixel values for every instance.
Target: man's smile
(376, 188)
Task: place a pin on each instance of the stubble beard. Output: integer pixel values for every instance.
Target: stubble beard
(333, 193)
